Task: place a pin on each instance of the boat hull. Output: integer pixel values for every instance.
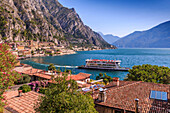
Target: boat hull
(100, 68)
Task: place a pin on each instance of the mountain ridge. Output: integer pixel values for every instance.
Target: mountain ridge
(155, 37)
(109, 37)
(45, 20)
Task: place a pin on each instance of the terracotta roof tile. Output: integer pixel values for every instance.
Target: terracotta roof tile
(32, 71)
(22, 104)
(84, 74)
(80, 76)
(123, 97)
(41, 75)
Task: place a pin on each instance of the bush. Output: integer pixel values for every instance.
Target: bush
(149, 73)
(42, 90)
(25, 88)
(106, 78)
(24, 79)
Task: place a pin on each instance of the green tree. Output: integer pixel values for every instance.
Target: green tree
(106, 78)
(32, 52)
(25, 88)
(149, 73)
(63, 97)
(25, 79)
(51, 67)
(7, 75)
(4, 38)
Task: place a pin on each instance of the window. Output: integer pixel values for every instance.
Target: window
(117, 111)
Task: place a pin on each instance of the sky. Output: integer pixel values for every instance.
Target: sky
(120, 17)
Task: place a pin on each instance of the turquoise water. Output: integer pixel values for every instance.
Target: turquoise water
(129, 58)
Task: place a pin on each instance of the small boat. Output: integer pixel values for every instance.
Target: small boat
(103, 65)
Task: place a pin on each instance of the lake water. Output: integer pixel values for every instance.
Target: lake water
(129, 58)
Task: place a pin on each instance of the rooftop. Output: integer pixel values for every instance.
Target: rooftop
(124, 95)
(22, 104)
(41, 75)
(80, 76)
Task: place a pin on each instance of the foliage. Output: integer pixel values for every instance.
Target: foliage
(1, 109)
(68, 71)
(37, 85)
(3, 26)
(25, 88)
(106, 78)
(51, 67)
(4, 38)
(32, 52)
(7, 64)
(25, 79)
(43, 90)
(58, 70)
(149, 73)
(63, 97)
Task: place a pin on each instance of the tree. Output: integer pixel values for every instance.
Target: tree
(7, 75)
(4, 38)
(25, 79)
(106, 78)
(51, 67)
(25, 88)
(149, 73)
(63, 97)
(32, 52)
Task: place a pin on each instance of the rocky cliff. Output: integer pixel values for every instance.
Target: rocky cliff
(45, 20)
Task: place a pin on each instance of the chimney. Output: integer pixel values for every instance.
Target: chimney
(19, 93)
(116, 79)
(136, 105)
(102, 96)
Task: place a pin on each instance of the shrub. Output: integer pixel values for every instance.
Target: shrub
(25, 88)
(42, 90)
(149, 73)
(24, 79)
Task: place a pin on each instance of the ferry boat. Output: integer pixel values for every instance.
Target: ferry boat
(104, 65)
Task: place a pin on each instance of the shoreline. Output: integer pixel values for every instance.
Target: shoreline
(69, 53)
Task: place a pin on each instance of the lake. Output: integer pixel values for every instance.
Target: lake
(129, 58)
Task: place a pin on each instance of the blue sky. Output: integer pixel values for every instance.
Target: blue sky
(120, 17)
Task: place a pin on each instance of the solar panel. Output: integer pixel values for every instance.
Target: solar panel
(158, 95)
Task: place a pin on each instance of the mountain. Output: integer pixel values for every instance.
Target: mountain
(156, 37)
(109, 37)
(45, 20)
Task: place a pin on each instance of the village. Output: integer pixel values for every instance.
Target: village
(114, 97)
(32, 48)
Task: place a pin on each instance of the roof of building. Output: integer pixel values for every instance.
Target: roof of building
(80, 76)
(32, 71)
(41, 75)
(22, 68)
(84, 75)
(124, 95)
(22, 104)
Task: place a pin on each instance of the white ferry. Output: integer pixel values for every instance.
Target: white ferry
(104, 64)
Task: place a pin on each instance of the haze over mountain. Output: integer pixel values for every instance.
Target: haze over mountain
(109, 37)
(45, 20)
(156, 37)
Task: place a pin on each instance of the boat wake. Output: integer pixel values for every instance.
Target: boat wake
(66, 66)
(35, 64)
